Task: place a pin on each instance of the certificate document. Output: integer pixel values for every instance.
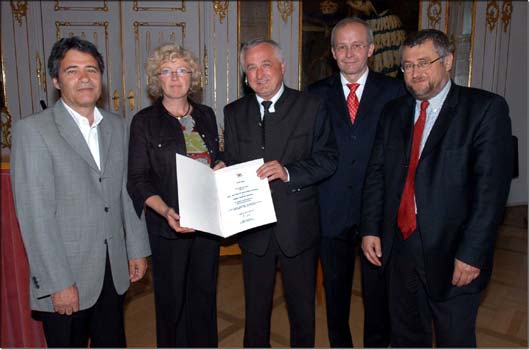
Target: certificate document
(223, 202)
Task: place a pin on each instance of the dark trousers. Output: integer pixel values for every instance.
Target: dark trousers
(375, 300)
(338, 263)
(414, 313)
(298, 278)
(185, 280)
(102, 323)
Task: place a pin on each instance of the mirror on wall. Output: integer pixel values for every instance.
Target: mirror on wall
(253, 22)
(460, 29)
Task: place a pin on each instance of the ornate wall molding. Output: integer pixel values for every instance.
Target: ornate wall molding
(507, 9)
(492, 14)
(434, 12)
(58, 7)
(19, 9)
(137, 8)
(285, 8)
(220, 8)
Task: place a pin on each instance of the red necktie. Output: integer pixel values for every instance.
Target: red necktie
(407, 209)
(352, 101)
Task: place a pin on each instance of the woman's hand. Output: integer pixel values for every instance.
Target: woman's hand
(173, 220)
(219, 165)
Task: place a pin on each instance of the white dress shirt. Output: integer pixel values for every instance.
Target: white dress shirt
(90, 132)
(361, 81)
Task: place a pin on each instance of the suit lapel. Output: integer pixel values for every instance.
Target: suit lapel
(280, 121)
(71, 133)
(104, 135)
(446, 115)
(365, 106)
(338, 102)
(406, 122)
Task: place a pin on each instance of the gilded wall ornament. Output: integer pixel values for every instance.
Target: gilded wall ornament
(7, 120)
(434, 12)
(19, 9)
(507, 9)
(492, 14)
(220, 8)
(285, 8)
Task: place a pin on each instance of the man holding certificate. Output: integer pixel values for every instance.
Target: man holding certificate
(291, 132)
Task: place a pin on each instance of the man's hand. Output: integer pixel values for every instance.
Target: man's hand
(173, 220)
(464, 273)
(66, 301)
(137, 268)
(371, 247)
(219, 165)
(272, 170)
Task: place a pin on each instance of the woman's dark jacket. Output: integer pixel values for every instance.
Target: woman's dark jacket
(155, 137)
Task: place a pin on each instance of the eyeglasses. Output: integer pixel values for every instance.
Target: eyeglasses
(341, 48)
(180, 72)
(421, 66)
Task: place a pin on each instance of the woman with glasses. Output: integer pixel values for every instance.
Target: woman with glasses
(184, 261)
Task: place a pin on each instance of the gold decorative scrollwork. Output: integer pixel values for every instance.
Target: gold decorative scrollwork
(492, 14)
(59, 24)
(507, 9)
(434, 12)
(137, 25)
(204, 80)
(140, 8)
(58, 7)
(41, 78)
(285, 8)
(220, 8)
(19, 9)
(130, 97)
(7, 120)
(116, 100)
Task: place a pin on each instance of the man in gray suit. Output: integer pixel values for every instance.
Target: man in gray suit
(83, 239)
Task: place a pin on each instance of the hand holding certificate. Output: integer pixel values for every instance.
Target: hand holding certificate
(223, 202)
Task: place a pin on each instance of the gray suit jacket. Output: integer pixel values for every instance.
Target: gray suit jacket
(69, 211)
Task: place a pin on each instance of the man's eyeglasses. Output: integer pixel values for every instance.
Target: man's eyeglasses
(180, 72)
(421, 66)
(341, 48)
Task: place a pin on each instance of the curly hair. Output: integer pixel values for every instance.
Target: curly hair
(165, 53)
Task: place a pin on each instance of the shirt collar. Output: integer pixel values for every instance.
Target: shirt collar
(81, 120)
(361, 81)
(436, 102)
(274, 99)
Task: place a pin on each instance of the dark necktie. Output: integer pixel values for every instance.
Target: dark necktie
(352, 101)
(266, 105)
(407, 209)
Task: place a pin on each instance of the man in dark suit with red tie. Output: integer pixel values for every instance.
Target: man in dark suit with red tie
(435, 191)
(291, 132)
(354, 99)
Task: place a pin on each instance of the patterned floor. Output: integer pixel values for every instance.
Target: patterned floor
(502, 320)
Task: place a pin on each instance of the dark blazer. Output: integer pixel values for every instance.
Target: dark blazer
(461, 184)
(300, 137)
(155, 137)
(340, 195)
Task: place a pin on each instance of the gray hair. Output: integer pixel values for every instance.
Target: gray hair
(350, 20)
(441, 42)
(255, 42)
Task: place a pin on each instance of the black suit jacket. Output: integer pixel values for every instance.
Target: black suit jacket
(340, 195)
(155, 137)
(461, 184)
(299, 136)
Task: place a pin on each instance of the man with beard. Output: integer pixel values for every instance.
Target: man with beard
(435, 191)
